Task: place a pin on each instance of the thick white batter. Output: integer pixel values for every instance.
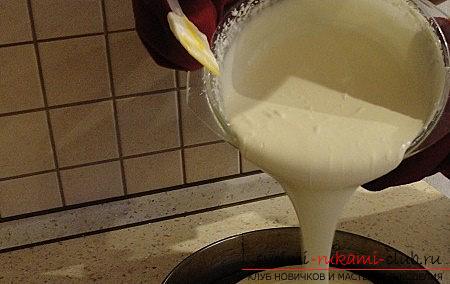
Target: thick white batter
(327, 95)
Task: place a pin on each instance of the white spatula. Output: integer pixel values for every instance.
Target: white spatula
(193, 40)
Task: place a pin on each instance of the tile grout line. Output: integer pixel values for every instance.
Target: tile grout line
(89, 164)
(44, 95)
(149, 93)
(240, 162)
(51, 39)
(27, 175)
(12, 44)
(140, 155)
(68, 37)
(121, 31)
(141, 223)
(203, 144)
(114, 99)
(19, 112)
(87, 102)
(180, 127)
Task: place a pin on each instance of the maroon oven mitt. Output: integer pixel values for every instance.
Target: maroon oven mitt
(154, 32)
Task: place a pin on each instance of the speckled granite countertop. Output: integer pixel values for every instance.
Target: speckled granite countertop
(413, 217)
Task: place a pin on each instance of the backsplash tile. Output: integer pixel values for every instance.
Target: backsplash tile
(92, 183)
(182, 79)
(134, 71)
(57, 18)
(14, 15)
(153, 172)
(85, 108)
(211, 161)
(119, 14)
(27, 194)
(75, 70)
(195, 131)
(148, 123)
(24, 144)
(84, 133)
(20, 88)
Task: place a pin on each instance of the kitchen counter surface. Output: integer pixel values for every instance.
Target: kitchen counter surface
(412, 218)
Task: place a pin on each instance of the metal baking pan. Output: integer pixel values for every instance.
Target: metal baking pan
(222, 261)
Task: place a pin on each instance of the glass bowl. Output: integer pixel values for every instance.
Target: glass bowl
(205, 100)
